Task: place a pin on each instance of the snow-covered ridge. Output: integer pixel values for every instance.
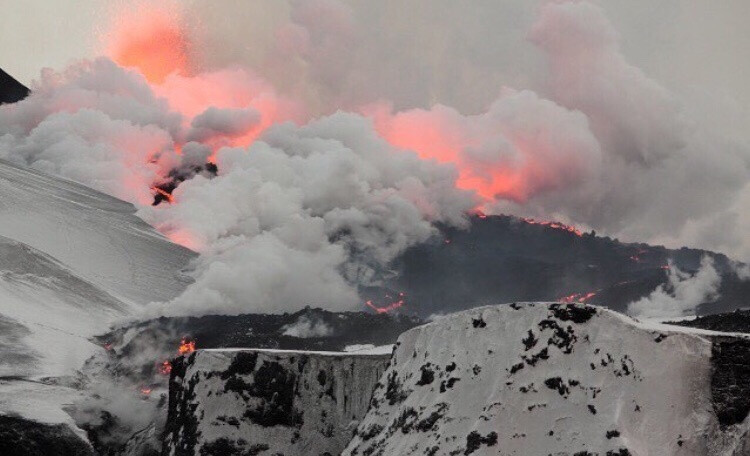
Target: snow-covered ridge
(72, 261)
(268, 401)
(553, 379)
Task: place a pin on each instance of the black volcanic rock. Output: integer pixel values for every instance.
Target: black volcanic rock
(248, 402)
(501, 259)
(20, 437)
(737, 321)
(11, 90)
(730, 359)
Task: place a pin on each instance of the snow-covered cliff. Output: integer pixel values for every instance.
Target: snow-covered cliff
(268, 401)
(530, 379)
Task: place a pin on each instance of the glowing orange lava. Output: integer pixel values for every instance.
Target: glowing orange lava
(577, 297)
(167, 196)
(146, 391)
(389, 307)
(186, 346)
(555, 225)
(165, 368)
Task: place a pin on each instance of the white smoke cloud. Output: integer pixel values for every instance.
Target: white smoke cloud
(742, 271)
(665, 178)
(681, 295)
(306, 328)
(304, 215)
(94, 123)
(522, 146)
(222, 122)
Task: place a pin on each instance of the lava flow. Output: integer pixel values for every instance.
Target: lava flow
(186, 347)
(393, 305)
(577, 297)
(554, 225)
(165, 368)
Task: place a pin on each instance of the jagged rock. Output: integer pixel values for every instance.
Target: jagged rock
(11, 90)
(226, 402)
(595, 382)
(21, 437)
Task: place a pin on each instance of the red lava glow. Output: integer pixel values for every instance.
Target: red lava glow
(186, 346)
(577, 297)
(108, 347)
(148, 37)
(393, 305)
(439, 135)
(146, 391)
(555, 225)
(637, 256)
(165, 368)
(168, 196)
(183, 237)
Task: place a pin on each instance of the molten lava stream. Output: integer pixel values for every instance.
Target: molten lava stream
(186, 347)
(389, 307)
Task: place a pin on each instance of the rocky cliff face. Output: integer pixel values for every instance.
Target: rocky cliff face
(226, 402)
(553, 379)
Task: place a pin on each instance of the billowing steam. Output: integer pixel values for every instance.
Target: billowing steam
(682, 295)
(292, 203)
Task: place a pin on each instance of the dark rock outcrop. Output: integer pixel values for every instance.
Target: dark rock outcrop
(11, 90)
(249, 402)
(21, 437)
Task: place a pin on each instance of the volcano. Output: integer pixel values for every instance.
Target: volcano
(11, 90)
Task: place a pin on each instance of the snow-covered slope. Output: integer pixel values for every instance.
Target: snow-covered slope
(537, 379)
(72, 261)
(268, 401)
(98, 237)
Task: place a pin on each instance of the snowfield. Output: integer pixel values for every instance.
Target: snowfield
(72, 261)
(528, 379)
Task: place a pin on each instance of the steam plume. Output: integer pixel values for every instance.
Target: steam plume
(682, 295)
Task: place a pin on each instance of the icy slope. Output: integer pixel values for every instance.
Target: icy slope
(47, 313)
(72, 261)
(268, 401)
(96, 236)
(534, 379)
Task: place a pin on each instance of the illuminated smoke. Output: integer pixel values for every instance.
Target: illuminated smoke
(148, 37)
(290, 208)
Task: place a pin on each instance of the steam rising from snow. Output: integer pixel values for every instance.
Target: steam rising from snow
(682, 295)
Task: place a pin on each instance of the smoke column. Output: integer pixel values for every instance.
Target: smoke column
(291, 202)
